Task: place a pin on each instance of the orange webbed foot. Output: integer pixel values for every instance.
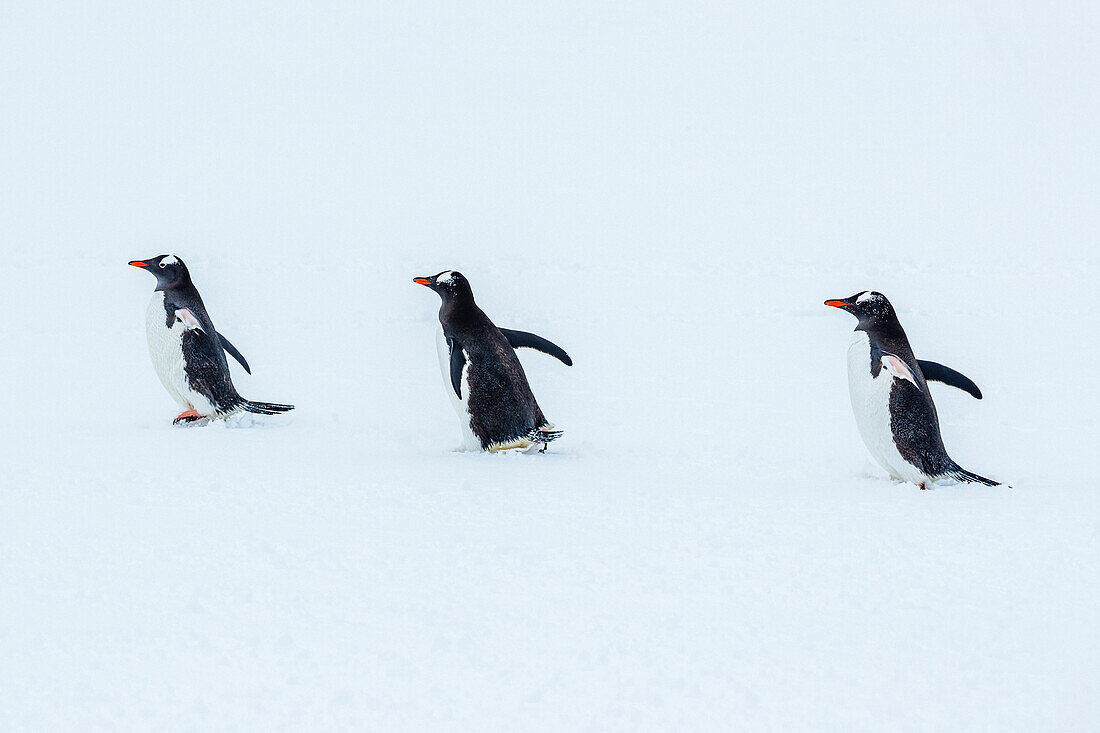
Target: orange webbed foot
(187, 417)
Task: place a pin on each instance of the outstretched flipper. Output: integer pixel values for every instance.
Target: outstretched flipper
(458, 363)
(934, 372)
(232, 351)
(523, 339)
(190, 321)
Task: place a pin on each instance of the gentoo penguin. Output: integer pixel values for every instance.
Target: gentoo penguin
(890, 397)
(482, 373)
(187, 351)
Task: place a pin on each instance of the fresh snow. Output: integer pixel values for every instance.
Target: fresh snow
(669, 191)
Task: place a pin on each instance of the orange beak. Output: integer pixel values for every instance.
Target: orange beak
(837, 303)
(422, 281)
(138, 263)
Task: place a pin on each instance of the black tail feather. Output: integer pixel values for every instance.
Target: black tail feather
(545, 434)
(961, 474)
(265, 408)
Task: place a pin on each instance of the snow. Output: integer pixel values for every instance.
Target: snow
(667, 190)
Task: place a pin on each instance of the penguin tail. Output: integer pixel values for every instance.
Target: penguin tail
(265, 408)
(959, 473)
(546, 434)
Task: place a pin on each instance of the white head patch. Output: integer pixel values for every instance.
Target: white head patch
(865, 296)
(444, 277)
(169, 260)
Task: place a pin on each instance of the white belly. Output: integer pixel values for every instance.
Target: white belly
(871, 406)
(470, 441)
(166, 352)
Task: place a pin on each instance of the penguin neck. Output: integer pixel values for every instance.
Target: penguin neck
(184, 293)
(182, 285)
(187, 296)
(889, 336)
(457, 304)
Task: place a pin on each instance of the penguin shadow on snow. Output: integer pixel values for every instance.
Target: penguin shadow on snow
(891, 401)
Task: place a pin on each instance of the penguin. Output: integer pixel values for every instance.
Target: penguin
(482, 374)
(187, 352)
(890, 397)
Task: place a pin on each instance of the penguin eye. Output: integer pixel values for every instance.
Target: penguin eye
(163, 265)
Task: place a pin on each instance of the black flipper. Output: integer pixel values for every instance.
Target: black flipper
(458, 363)
(934, 372)
(523, 339)
(232, 351)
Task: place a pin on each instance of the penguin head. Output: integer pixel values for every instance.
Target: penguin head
(449, 284)
(168, 269)
(870, 307)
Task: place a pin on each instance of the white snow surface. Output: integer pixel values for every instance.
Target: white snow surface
(668, 190)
